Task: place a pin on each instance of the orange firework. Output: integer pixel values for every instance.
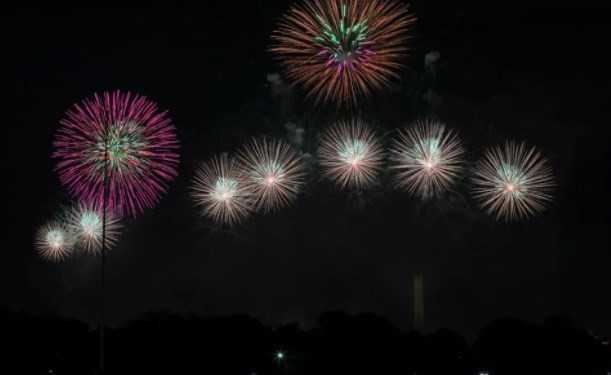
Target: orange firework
(339, 50)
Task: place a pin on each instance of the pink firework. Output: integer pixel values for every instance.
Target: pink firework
(427, 157)
(275, 170)
(120, 140)
(350, 154)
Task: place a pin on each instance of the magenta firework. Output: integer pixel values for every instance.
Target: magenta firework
(513, 181)
(119, 140)
(275, 170)
(427, 158)
(350, 154)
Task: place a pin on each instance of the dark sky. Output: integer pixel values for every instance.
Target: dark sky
(537, 73)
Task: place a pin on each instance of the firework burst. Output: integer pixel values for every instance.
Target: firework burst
(427, 158)
(85, 221)
(54, 241)
(350, 154)
(275, 171)
(120, 140)
(222, 189)
(339, 50)
(513, 182)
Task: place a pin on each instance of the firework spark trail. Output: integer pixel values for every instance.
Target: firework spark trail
(275, 170)
(341, 50)
(85, 222)
(513, 182)
(350, 154)
(54, 241)
(427, 158)
(222, 188)
(140, 152)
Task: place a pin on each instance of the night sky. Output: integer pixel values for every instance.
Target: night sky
(534, 73)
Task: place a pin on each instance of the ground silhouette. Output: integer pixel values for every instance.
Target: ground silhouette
(162, 342)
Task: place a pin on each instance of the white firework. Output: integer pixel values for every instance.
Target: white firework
(513, 182)
(222, 190)
(275, 170)
(54, 241)
(350, 154)
(86, 222)
(427, 158)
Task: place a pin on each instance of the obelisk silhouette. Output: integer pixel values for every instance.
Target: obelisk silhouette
(418, 303)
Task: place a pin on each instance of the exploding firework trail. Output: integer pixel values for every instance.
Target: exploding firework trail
(91, 228)
(223, 190)
(122, 138)
(275, 170)
(427, 158)
(54, 241)
(513, 182)
(350, 154)
(340, 50)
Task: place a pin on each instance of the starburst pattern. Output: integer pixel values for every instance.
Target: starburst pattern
(85, 221)
(350, 154)
(222, 189)
(275, 170)
(513, 182)
(119, 140)
(340, 50)
(427, 158)
(54, 241)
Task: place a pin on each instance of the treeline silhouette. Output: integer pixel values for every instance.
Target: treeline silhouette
(168, 343)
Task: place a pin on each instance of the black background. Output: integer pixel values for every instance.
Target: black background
(534, 72)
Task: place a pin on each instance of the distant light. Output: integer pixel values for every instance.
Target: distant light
(280, 356)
